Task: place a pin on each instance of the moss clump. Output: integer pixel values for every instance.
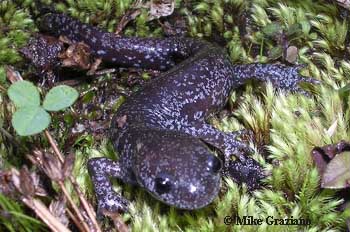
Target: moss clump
(15, 27)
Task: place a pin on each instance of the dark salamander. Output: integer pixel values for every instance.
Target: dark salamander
(161, 132)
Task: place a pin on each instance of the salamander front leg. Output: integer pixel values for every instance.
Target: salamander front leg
(227, 143)
(100, 169)
(249, 171)
(241, 169)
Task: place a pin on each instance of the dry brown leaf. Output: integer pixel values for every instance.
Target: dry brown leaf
(68, 165)
(26, 186)
(77, 55)
(58, 209)
(292, 54)
(160, 8)
(12, 75)
(343, 3)
(52, 167)
(128, 16)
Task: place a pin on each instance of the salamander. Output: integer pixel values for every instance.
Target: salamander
(161, 132)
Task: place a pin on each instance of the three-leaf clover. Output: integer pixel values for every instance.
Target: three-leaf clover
(31, 117)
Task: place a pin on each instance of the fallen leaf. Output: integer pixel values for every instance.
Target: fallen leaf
(343, 3)
(320, 160)
(68, 165)
(337, 173)
(26, 187)
(58, 209)
(12, 75)
(331, 130)
(161, 8)
(127, 17)
(77, 55)
(292, 54)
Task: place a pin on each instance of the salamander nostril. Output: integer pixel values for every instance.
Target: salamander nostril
(214, 164)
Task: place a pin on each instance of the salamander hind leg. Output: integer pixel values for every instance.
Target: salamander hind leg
(100, 170)
(281, 76)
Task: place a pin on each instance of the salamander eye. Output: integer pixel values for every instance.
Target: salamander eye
(214, 164)
(163, 184)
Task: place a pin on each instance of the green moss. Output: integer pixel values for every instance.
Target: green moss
(107, 13)
(15, 27)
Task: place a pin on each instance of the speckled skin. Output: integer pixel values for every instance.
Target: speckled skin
(161, 131)
(43, 52)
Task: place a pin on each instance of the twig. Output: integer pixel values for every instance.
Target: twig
(43, 212)
(54, 146)
(94, 67)
(2, 88)
(104, 71)
(75, 220)
(117, 220)
(131, 14)
(73, 205)
(12, 139)
(86, 205)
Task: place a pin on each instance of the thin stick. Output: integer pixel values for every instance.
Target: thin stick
(118, 221)
(75, 208)
(54, 146)
(86, 205)
(131, 14)
(2, 88)
(75, 220)
(43, 212)
(12, 139)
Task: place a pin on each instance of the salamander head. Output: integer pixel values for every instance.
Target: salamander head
(184, 174)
